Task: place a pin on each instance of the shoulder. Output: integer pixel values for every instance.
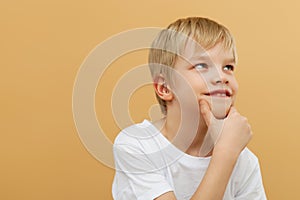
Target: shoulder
(143, 136)
(133, 133)
(247, 166)
(247, 161)
(138, 147)
(128, 139)
(248, 156)
(128, 135)
(247, 177)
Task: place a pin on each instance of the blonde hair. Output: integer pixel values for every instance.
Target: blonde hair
(171, 41)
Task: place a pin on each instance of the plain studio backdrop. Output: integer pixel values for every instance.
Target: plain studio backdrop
(43, 44)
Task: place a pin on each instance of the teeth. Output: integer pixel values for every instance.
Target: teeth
(220, 95)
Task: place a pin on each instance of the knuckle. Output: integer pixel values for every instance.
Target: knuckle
(251, 134)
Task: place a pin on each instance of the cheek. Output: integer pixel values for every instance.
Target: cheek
(184, 90)
(199, 84)
(190, 82)
(234, 86)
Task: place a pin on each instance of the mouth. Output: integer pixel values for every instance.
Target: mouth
(219, 93)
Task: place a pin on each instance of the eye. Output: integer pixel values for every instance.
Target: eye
(228, 68)
(200, 66)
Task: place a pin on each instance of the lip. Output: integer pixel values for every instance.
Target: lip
(219, 93)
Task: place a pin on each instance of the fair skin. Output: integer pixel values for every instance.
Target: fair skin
(209, 74)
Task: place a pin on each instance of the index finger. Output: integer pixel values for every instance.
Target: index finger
(231, 111)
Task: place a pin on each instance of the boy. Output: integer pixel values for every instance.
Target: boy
(198, 149)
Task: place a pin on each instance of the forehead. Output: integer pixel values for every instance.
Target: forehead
(193, 52)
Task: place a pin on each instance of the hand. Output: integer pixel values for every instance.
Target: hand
(231, 134)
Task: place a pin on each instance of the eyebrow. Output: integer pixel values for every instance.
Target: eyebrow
(206, 57)
(230, 60)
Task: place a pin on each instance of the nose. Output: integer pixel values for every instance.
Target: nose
(220, 78)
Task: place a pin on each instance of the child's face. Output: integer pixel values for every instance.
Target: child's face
(210, 75)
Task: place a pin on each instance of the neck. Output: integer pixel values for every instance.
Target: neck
(186, 132)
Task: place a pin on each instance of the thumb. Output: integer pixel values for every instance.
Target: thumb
(231, 111)
(206, 113)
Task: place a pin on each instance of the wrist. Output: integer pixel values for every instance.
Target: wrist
(225, 152)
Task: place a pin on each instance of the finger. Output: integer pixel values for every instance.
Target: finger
(205, 112)
(232, 110)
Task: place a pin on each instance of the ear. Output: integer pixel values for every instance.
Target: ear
(162, 88)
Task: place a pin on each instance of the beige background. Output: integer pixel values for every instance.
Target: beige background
(43, 44)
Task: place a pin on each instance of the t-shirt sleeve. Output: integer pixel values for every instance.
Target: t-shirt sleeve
(251, 184)
(137, 176)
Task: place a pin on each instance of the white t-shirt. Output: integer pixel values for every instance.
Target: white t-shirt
(148, 165)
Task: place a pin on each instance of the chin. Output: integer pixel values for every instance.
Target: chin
(219, 114)
(220, 107)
